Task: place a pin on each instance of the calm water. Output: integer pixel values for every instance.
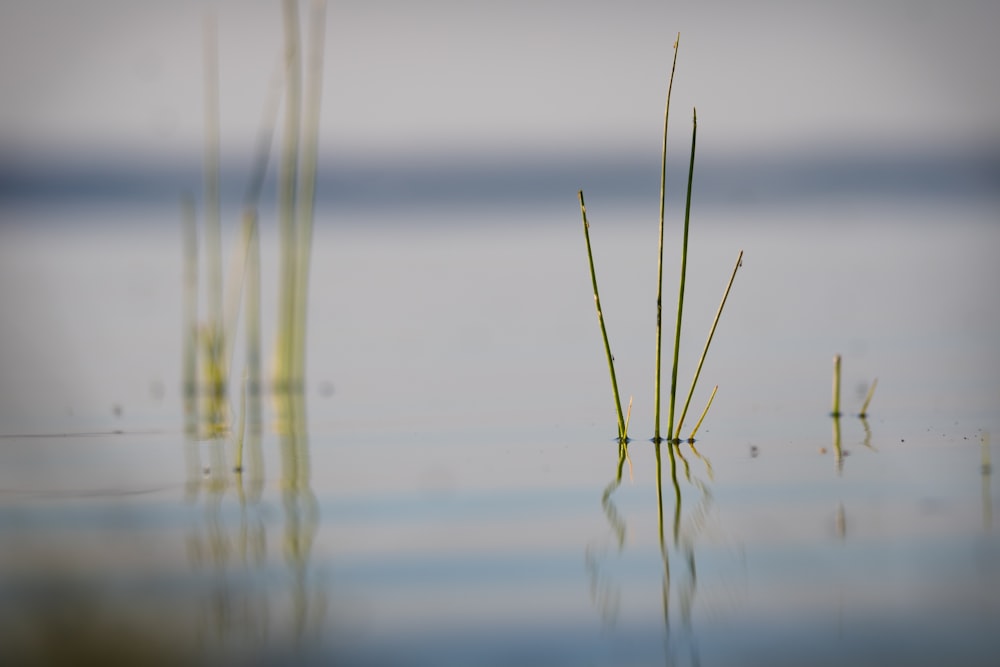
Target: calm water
(457, 499)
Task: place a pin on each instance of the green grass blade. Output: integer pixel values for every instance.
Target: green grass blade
(836, 387)
(868, 399)
(622, 432)
(704, 352)
(680, 297)
(702, 418)
(659, 275)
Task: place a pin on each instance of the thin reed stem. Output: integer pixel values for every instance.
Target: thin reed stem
(702, 418)
(284, 373)
(836, 387)
(628, 414)
(265, 139)
(680, 297)
(215, 369)
(659, 275)
(213, 242)
(868, 399)
(704, 352)
(307, 182)
(622, 432)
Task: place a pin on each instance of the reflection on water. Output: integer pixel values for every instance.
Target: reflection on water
(682, 644)
(676, 541)
(604, 592)
(242, 615)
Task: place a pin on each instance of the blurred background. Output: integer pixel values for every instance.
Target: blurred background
(839, 123)
(445, 99)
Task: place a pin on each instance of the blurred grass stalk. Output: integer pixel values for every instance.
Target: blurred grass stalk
(212, 337)
(297, 189)
(207, 355)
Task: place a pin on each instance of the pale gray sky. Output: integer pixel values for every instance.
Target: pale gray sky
(409, 76)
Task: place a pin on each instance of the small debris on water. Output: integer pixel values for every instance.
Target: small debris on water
(822, 450)
(116, 410)
(754, 451)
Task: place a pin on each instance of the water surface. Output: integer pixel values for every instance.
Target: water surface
(458, 498)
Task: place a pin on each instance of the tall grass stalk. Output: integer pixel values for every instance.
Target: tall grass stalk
(680, 297)
(284, 377)
(622, 432)
(262, 157)
(704, 352)
(659, 275)
(212, 338)
(835, 412)
(297, 189)
(213, 233)
(307, 183)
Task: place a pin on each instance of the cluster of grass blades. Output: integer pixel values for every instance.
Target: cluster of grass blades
(836, 414)
(208, 343)
(835, 411)
(673, 432)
